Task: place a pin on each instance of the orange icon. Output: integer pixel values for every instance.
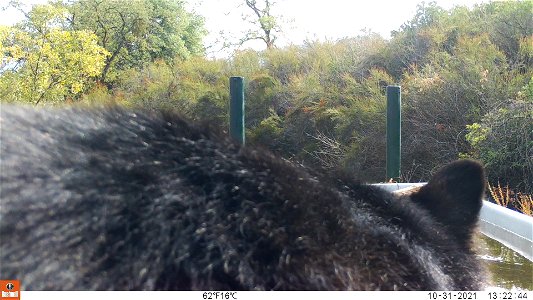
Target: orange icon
(9, 290)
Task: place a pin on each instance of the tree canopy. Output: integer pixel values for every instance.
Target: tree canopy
(138, 32)
(62, 48)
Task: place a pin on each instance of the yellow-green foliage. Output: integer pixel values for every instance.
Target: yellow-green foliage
(268, 132)
(503, 140)
(47, 64)
(476, 134)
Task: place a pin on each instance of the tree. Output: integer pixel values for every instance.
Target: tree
(265, 23)
(138, 32)
(42, 62)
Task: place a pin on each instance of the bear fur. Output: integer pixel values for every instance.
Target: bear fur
(116, 199)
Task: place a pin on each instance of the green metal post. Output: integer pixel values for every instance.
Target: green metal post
(394, 116)
(236, 109)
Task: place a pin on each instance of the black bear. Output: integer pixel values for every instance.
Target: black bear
(115, 199)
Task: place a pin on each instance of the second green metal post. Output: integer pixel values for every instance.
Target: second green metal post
(236, 109)
(394, 116)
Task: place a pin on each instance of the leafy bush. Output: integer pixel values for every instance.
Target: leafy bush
(503, 140)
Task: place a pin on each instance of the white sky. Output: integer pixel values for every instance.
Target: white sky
(305, 19)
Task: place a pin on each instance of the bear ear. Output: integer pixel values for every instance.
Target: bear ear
(453, 197)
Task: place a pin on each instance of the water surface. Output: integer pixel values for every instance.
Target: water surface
(509, 270)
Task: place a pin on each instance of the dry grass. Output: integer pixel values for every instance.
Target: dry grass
(501, 195)
(505, 197)
(525, 203)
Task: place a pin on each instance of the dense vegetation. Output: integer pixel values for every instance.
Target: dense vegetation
(466, 78)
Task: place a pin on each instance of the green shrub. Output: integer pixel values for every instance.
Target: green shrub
(503, 140)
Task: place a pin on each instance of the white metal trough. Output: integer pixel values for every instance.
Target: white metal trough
(511, 228)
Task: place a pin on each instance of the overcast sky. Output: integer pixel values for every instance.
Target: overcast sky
(303, 19)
